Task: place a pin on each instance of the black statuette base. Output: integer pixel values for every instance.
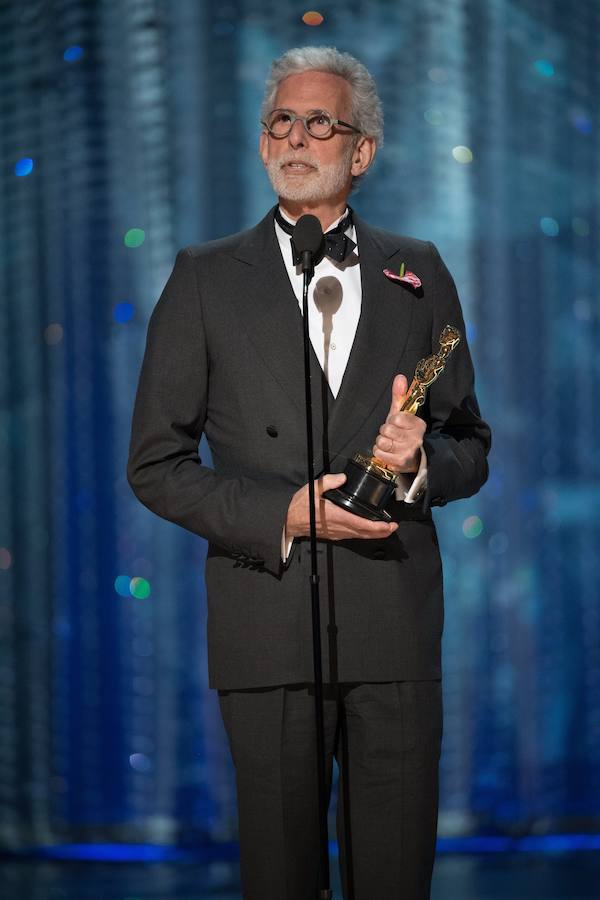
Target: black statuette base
(363, 493)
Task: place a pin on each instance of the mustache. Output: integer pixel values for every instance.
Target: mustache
(290, 156)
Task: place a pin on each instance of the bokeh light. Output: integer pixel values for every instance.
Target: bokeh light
(462, 154)
(24, 166)
(123, 312)
(312, 18)
(581, 121)
(72, 54)
(139, 587)
(472, 526)
(122, 583)
(140, 762)
(434, 116)
(135, 237)
(5, 558)
(544, 67)
(53, 334)
(549, 226)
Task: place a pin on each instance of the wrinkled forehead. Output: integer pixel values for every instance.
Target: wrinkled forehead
(314, 90)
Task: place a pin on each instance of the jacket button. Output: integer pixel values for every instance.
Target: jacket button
(440, 501)
(379, 553)
(272, 431)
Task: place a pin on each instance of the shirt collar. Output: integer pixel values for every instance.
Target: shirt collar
(329, 227)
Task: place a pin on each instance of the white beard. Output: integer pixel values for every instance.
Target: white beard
(321, 183)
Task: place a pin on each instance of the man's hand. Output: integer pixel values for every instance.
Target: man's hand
(333, 522)
(400, 437)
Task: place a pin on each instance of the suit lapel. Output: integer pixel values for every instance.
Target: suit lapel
(268, 308)
(383, 328)
(269, 313)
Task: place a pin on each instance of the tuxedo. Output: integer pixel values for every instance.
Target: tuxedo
(224, 356)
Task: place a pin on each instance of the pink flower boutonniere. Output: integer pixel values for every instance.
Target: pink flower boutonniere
(403, 276)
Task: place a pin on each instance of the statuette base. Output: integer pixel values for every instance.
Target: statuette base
(364, 493)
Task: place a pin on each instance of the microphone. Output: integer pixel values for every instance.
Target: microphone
(308, 240)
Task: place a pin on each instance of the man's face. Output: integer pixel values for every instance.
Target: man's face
(303, 168)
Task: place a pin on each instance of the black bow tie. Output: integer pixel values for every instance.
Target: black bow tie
(337, 245)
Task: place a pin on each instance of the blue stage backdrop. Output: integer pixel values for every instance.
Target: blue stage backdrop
(129, 129)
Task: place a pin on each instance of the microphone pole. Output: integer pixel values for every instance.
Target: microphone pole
(308, 240)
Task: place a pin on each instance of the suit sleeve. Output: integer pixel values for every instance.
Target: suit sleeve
(457, 439)
(242, 515)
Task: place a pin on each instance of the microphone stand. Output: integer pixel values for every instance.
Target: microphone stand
(325, 892)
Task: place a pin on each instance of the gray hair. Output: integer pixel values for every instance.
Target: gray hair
(367, 114)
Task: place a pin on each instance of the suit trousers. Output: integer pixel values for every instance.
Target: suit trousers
(386, 739)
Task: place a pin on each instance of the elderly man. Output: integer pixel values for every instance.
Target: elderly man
(224, 357)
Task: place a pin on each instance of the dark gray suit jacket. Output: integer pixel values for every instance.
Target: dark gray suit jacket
(224, 356)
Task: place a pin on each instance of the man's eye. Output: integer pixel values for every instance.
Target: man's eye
(281, 118)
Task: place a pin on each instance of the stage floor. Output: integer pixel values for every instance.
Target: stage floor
(522, 876)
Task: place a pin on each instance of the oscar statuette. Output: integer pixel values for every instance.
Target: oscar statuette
(370, 484)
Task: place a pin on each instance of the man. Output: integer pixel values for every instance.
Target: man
(224, 357)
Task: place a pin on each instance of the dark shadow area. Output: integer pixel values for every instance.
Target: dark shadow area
(347, 857)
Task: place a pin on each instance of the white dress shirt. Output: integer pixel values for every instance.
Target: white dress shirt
(334, 301)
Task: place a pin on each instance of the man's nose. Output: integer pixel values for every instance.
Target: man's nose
(298, 136)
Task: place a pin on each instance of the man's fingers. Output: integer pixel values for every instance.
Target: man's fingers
(403, 421)
(328, 482)
(350, 525)
(399, 389)
(367, 529)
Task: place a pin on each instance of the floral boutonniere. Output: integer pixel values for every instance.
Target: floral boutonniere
(403, 276)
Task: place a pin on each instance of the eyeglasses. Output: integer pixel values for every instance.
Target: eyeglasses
(317, 122)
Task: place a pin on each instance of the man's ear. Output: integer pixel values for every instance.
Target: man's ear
(263, 147)
(363, 155)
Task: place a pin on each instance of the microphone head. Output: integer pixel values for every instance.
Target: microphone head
(308, 235)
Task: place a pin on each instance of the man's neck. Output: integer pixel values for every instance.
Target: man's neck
(326, 213)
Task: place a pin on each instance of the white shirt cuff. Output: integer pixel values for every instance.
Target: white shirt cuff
(411, 487)
(286, 546)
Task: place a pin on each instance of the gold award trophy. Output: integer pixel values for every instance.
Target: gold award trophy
(370, 484)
